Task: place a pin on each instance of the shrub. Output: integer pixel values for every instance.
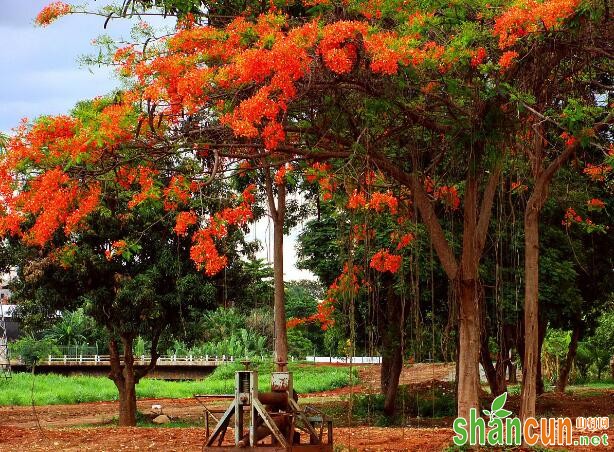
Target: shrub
(31, 350)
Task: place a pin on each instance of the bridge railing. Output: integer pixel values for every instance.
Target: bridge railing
(94, 359)
(142, 359)
(345, 359)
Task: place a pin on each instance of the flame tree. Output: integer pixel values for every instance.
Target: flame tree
(424, 92)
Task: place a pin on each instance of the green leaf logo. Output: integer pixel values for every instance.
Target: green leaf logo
(496, 408)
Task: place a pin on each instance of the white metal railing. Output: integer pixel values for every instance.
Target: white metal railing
(345, 359)
(213, 360)
(164, 359)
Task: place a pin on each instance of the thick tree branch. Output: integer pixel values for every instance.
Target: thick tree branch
(425, 207)
(486, 208)
(268, 186)
(141, 372)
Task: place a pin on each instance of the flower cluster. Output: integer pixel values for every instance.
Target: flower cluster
(117, 249)
(448, 195)
(149, 188)
(597, 173)
(86, 204)
(320, 173)
(51, 12)
(507, 59)
(54, 199)
(345, 285)
(570, 140)
(518, 187)
(357, 200)
(531, 16)
(379, 201)
(338, 46)
(184, 220)
(478, 57)
(571, 218)
(204, 251)
(595, 204)
(405, 240)
(280, 174)
(177, 193)
(384, 261)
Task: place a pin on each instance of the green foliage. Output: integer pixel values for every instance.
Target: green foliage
(220, 324)
(554, 351)
(585, 356)
(556, 343)
(32, 351)
(299, 345)
(598, 350)
(319, 248)
(239, 343)
(74, 328)
(302, 298)
(252, 284)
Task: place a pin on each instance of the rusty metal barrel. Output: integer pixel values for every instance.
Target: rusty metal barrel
(274, 399)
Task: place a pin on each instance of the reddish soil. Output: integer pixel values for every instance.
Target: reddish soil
(16, 439)
(369, 378)
(191, 439)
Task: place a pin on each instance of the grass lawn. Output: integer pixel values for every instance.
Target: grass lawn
(55, 389)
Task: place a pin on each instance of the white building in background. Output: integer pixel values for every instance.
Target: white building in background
(6, 308)
(5, 280)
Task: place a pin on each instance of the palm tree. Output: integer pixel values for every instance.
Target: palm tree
(71, 330)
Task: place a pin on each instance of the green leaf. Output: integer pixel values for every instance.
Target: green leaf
(486, 412)
(499, 402)
(502, 413)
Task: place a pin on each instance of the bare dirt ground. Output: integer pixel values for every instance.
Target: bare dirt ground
(16, 439)
(89, 426)
(191, 439)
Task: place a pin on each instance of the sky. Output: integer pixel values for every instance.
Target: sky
(40, 74)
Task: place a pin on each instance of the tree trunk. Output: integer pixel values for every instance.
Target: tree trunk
(531, 269)
(396, 366)
(392, 349)
(489, 369)
(470, 290)
(541, 333)
(571, 355)
(531, 306)
(278, 214)
(503, 359)
(124, 379)
(469, 352)
(281, 338)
